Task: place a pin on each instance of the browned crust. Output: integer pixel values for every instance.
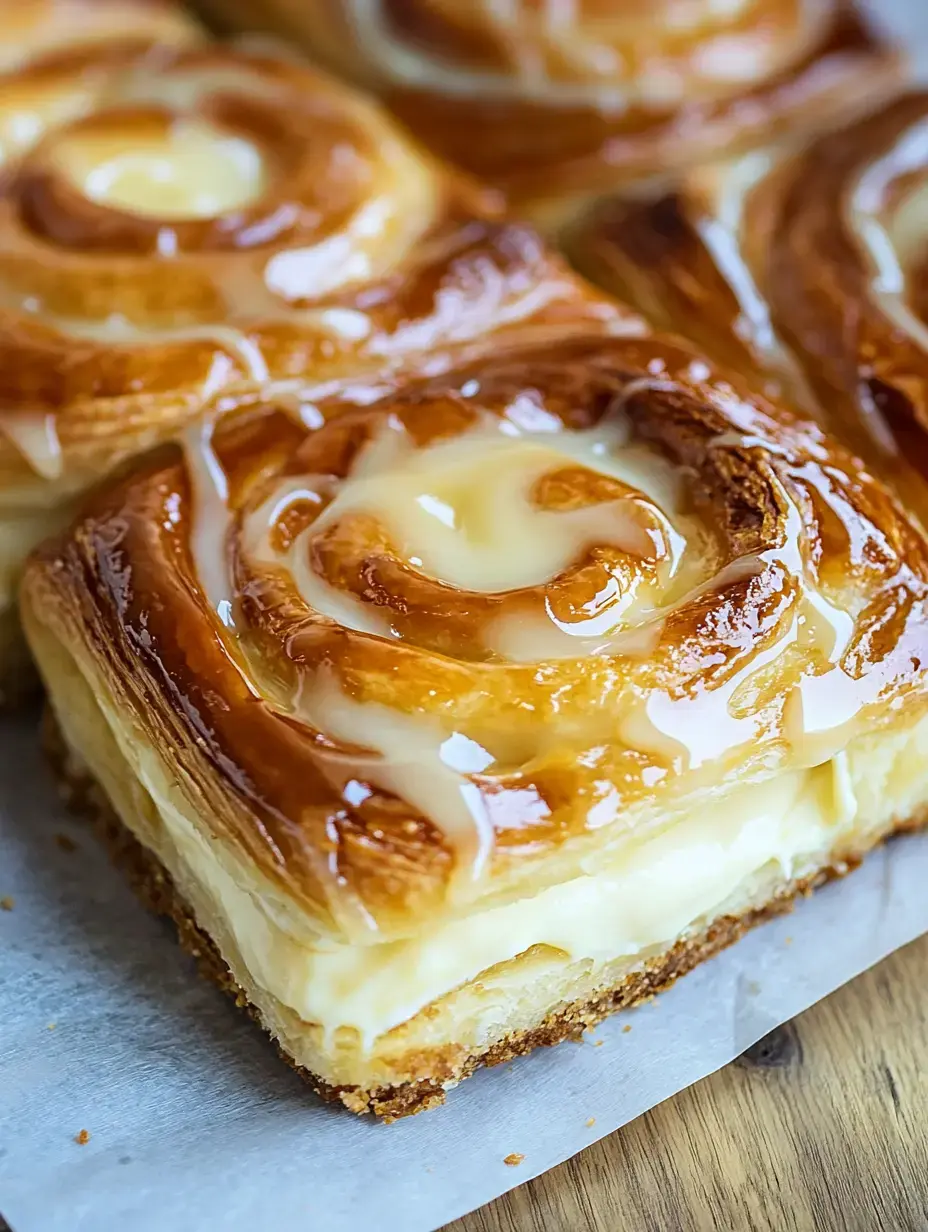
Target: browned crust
(154, 887)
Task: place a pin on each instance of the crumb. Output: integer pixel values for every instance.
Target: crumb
(591, 1122)
(51, 1026)
(626, 1028)
(599, 1043)
(82, 1138)
(787, 941)
(514, 1159)
(7, 903)
(65, 842)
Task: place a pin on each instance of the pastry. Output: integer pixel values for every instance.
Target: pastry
(450, 725)
(46, 35)
(802, 266)
(182, 225)
(556, 103)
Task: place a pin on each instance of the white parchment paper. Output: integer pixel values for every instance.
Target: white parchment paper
(194, 1122)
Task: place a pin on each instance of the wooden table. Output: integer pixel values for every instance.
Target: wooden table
(823, 1125)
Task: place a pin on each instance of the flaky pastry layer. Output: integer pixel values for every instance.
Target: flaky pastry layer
(538, 997)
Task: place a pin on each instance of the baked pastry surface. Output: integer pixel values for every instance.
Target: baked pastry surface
(804, 267)
(559, 103)
(183, 223)
(479, 710)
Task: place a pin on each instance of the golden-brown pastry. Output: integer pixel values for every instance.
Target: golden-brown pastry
(474, 713)
(805, 268)
(558, 102)
(45, 34)
(181, 225)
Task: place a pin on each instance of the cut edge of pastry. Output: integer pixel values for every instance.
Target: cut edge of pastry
(155, 889)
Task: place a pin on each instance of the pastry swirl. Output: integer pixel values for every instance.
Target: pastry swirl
(803, 267)
(184, 225)
(481, 709)
(420, 656)
(558, 103)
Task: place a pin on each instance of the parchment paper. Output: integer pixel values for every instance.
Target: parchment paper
(194, 1122)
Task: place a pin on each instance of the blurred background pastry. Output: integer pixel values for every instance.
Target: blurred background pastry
(557, 103)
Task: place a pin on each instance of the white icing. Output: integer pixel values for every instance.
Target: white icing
(210, 524)
(723, 231)
(414, 758)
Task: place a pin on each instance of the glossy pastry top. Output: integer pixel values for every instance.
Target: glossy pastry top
(556, 100)
(452, 645)
(182, 224)
(806, 267)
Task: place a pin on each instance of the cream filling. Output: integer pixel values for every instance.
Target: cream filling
(644, 897)
(189, 170)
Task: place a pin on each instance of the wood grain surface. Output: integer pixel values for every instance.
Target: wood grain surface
(822, 1125)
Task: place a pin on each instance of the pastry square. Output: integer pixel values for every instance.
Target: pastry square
(454, 723)
(184, 223)
(557, 104)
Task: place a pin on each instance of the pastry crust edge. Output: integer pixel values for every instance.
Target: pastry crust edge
(153, 886)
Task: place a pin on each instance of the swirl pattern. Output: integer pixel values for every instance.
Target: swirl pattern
(211, 220)
(558, 102)
(425, 653)
(805, 268)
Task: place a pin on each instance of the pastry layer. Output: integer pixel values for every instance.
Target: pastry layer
(375, 1016)
(417, 1079)
(765, 259)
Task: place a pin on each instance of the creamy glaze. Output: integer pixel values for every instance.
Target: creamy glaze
(188, 169)
(819, 707)
(425, 498)
(414, 758)
(35, 435)
(209, 533)
(30, 109)
(646, 894)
